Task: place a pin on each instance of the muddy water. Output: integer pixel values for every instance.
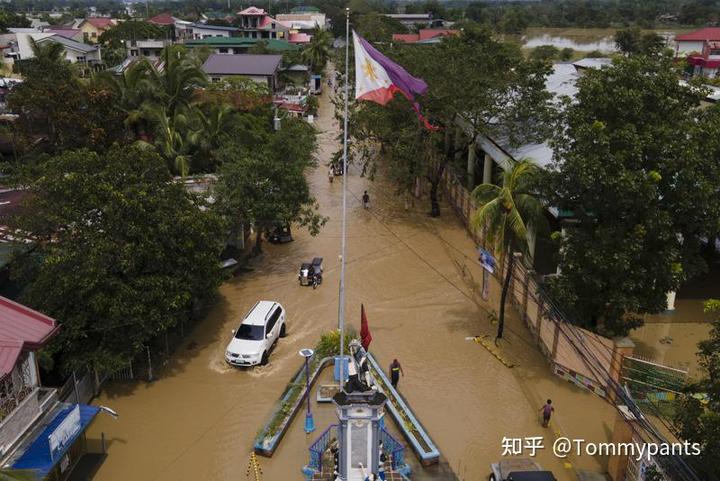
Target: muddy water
(581, 39)
(418, 279)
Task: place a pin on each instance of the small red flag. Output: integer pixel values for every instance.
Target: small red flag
(365, 336)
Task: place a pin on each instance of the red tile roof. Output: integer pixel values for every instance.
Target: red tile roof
(299, 38)
(100, 22)
(21, 328)
(428, 33)
(423, 34)
(710, 33)
(163, 19)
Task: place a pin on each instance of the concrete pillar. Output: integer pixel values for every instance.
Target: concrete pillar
(531, 241)
(487, 170)
(622, 433)
(671, 301)
(458, 143)
(622, 346)
(472, 157)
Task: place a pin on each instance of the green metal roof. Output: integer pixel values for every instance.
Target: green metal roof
(305, 9)
(272, 43)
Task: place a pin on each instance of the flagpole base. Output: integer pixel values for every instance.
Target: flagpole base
(309, 423)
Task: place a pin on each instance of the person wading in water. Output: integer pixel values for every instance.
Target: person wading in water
(395, 371)
(547, 411)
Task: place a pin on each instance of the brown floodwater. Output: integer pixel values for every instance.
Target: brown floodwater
(418, 278)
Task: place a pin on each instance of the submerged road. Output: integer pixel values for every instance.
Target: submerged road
(418, 278)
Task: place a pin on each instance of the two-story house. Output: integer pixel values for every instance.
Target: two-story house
(93, 27)
(254, 22)
(702, 50)
(38, 431)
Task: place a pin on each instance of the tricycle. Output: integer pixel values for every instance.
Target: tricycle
(311, 273)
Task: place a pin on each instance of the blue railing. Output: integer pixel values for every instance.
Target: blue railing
(394, 448)
(319, 446)
(391, 446)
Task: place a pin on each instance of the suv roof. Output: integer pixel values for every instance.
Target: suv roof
(259, 313)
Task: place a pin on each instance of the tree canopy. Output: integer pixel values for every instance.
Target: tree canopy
(122, 254)
(636, 166)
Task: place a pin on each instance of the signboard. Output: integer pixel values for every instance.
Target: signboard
(487, 260)
(65, 432)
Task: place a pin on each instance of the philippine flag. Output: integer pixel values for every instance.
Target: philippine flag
(377, 78)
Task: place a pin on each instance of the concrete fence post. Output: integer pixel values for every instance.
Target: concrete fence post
(622, 433)
(622, 346)
(526, 286)
(538, 324)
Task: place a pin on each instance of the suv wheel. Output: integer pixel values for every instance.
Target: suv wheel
(264, 359)
(283, 331)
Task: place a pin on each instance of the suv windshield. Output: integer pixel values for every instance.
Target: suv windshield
(251, 333)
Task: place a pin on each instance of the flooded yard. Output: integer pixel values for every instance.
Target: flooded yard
(418, 278)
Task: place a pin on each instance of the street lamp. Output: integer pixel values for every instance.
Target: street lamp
(309, 422)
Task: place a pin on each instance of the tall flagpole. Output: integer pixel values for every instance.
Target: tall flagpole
(341, 302)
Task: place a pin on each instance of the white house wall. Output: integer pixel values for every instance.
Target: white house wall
(686, 48)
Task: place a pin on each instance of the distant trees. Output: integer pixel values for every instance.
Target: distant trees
(633, 41)
(122, 254)
(637, 168)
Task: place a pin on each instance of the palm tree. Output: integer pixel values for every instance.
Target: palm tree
(204, 137)
(509, 213)
(50, 52)
(177, 79)
(317, 52)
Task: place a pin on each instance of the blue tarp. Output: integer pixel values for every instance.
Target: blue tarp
(37, 455)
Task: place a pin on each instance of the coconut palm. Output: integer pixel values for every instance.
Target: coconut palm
(47, 51)
(509, 213)
(317, 52)
(177, 79)
(209, 126)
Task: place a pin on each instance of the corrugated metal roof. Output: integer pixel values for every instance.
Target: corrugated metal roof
(71, 44)
(710, 33)
(219, 64)
(37, 455)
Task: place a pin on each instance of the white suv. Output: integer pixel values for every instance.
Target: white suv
(257, 333)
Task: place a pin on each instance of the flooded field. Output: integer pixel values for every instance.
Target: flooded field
(418, 278)
(581, 39)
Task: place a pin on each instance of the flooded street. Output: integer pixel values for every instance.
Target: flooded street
(583, 39)
(418, 278)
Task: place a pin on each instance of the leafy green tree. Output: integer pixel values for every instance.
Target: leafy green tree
(124, 253)
(494, 89)
(566, 54)
(12, 20)
(643, 197)
(700, 422)
(266, 186)
(545, 53)
(376, 27)
(56, 110)
(633, 41)
(113, 39)
(515, 21)
(510, 214)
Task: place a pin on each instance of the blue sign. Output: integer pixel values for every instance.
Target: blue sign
(487, 260)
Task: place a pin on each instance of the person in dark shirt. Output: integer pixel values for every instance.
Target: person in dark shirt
(366, 200)
(395, 371)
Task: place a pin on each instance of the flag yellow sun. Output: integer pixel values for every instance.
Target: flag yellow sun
(369, 70)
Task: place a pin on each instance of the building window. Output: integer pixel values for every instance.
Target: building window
(715, 51)
(146, 52)
(93, 34)
(81, 59)
(215, 79)
(223, 50)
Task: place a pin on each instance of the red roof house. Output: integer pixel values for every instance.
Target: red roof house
(21, 329)
(162, 19)
(101, 23)
(710, 33)
(424, 35)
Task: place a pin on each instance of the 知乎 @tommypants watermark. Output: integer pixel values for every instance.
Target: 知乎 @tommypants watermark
(563, 447)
